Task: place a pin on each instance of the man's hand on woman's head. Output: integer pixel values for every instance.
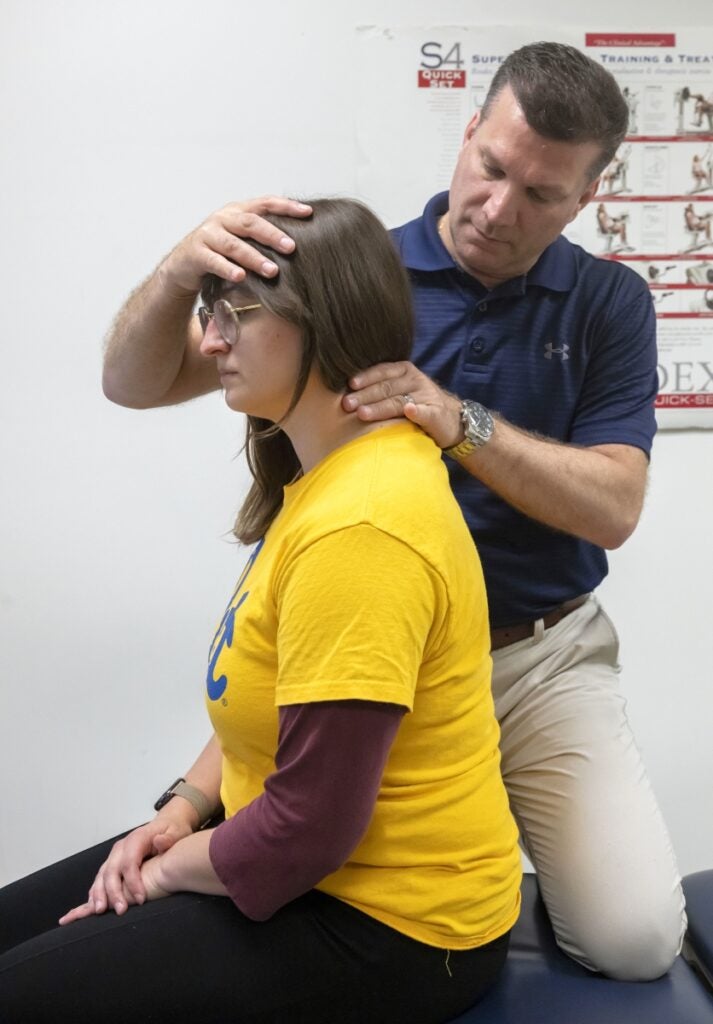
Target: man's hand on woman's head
(390, 390)
(221, 244)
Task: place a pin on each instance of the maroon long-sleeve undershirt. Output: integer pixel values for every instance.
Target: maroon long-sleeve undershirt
(316, 805)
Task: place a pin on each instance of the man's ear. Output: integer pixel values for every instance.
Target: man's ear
(588, 194)
(470, 127)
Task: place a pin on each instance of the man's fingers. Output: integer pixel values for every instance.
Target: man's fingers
(218, 246)
(226, 247)
(390, 381)
(385, 373)
(436, 421)
(423, 415)
(250, 225)
(223, 268)
(386, 409)
(372, 395)
(246, 220)
(274, 204)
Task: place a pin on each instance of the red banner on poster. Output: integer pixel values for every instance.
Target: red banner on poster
(630, 39)
(441, 79)
(679, 401)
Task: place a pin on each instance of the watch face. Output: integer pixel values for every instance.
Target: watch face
(478, 422)
(473, 418)
(166, 796)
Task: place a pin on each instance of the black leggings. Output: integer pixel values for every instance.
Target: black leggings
(197, 959)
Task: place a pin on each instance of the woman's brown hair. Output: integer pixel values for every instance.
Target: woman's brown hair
(344, 287)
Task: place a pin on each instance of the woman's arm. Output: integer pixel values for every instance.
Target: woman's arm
(312, 814)
(186, 867)
(205, 774)
(120, 881)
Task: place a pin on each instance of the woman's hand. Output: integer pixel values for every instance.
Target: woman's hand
(153, 884)
(218, 246)
(121, 880)
(152, 876)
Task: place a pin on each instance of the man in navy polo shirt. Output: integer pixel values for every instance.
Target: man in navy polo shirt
(551, 354)
(549, 359)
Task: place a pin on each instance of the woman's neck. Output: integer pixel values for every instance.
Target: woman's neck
(318, 425)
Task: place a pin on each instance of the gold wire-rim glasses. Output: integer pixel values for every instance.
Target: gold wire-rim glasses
(226, 317)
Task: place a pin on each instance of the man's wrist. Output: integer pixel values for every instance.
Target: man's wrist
(455, 405)
(170, 289)
(476, 430)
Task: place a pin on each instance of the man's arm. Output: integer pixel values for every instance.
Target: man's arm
(152, 355)
(152, 352)
(594, 493)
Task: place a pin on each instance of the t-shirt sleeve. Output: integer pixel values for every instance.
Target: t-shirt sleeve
(358, 612)
(616, 405)
(315, 807)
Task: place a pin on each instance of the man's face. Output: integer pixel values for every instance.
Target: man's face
(513, 191)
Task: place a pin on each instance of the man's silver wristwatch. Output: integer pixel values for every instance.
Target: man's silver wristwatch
(478, 427)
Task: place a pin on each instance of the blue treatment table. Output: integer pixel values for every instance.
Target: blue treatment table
(698, 947)
(541, 985)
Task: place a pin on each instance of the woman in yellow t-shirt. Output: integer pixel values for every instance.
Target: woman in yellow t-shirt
(367, 866)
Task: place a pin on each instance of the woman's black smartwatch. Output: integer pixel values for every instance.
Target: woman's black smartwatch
(194, 797)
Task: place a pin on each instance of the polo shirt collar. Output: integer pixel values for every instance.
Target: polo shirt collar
(423, 249)
(421, 245)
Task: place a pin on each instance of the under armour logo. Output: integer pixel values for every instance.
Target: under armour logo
(550, 351)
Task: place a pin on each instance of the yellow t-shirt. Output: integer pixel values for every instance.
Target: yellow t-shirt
(368, 586)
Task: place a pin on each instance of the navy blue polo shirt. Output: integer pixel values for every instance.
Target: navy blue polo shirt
(567, 351)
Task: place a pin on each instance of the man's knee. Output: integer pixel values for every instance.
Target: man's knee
(629, 947)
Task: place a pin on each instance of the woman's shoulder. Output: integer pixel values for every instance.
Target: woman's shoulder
(388, 475)
(393, 480)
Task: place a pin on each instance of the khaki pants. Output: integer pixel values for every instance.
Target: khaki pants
(588, 818)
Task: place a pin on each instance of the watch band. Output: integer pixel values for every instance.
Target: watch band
(477, 427)
(461, 450)
(194, 796)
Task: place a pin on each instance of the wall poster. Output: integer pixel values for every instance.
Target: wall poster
(654, 208)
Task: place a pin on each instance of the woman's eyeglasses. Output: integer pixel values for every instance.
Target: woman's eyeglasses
(226, 318)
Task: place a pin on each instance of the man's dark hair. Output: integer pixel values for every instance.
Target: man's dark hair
(564, 95)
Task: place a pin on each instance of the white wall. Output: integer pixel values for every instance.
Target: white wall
(122, 125)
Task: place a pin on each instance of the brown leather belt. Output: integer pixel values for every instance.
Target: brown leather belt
(505, 635)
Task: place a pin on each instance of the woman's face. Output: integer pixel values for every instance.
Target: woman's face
(258, 374)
